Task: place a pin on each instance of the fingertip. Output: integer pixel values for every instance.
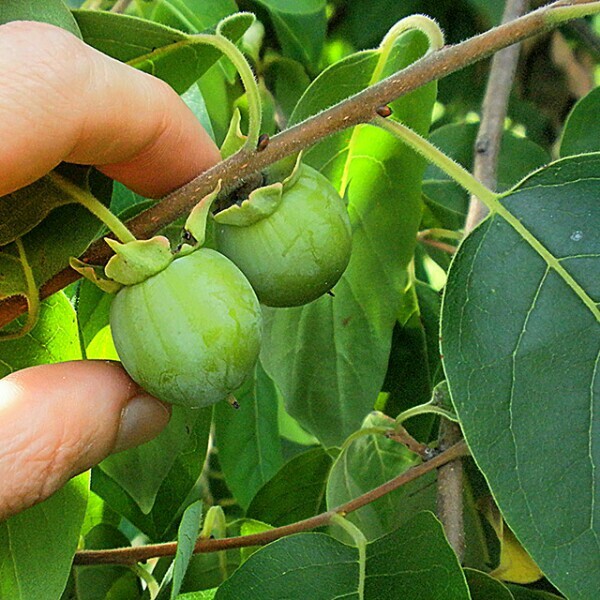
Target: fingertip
(59, 420)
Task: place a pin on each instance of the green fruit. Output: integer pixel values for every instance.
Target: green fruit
(293, 248)
(191, 333)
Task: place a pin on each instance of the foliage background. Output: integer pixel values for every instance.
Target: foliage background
(292, 450)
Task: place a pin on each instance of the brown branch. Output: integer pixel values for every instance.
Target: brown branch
(450, 490)
(485, 168)
(493, 113)
(358, 109)
(133, 554)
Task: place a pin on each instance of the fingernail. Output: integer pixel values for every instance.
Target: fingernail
(142, 419)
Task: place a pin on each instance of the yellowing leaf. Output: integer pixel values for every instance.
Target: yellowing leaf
(515, 565)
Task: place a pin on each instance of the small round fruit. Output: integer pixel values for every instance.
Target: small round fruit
(297, 252)
(191, 333)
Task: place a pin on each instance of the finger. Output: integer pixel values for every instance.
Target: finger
(61, 100)
(59, 420)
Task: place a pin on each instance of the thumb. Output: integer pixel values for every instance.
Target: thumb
(59, 420)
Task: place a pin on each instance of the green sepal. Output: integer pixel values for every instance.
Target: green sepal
(195, 224)
(136, 261)
(95, 275)
(261, 202)
(235, 139)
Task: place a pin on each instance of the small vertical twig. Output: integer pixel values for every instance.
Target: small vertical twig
(120, 6)
(487, 149)
(493, 113)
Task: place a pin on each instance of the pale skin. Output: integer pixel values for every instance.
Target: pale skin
(60, 100)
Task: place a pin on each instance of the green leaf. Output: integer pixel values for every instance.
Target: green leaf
(296, 492)
(581, 132)
(484, 587)
(54, 12)
(166, 53)
(414, 365)
(522, 593)
(518, 157)
(186, 540)
(65, 232)
(315, 563)
(191, 16)
(367, 462)
(416, 560)
(520, 342)
(177, 490)
(96, 582)
(141, 471)
(93, 309)
(363, 24)
(23, 209)
(51, 232)
(329, 357)
(54, 338)
(248, 438)
(413, 562)
(210, 570)
(300, 27)
(37, 545)
(287, 80)
(195, 101)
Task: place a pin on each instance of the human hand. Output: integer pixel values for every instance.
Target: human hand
(60, 100)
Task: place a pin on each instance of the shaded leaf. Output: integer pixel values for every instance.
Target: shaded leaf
(65, 232)
(23, 209)
(296, 492)
(520, 345)
(96, 582)
(415, 562)
(248, 438)
(449, 202)
(54, 12)
(300, 27)
(484, 587)
(187, 430)
(191, 16)
(522, 593)
(312, 562)
(581, 132)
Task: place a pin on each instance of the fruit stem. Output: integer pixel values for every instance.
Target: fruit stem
(427, 408)
(439, 159)
(360, 541)
(231, 51)
(33, 297)
(421, 22)
(147, 578)
(95, 207)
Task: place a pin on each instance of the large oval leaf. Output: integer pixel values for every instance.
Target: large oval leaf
(521, 339)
